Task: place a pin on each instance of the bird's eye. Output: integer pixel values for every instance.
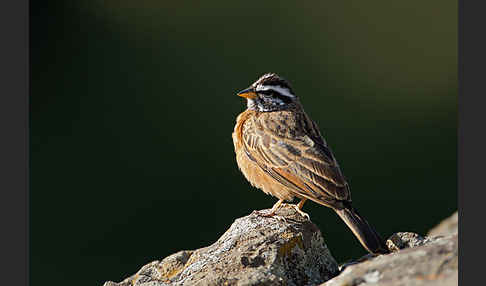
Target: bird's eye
(266, 92)
(275, 94)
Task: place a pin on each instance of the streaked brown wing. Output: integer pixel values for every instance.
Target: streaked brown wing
(304, 163)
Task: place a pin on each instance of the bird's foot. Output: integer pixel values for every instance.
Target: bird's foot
(306, 215)
(265, 213)
(272, 214)
(298, 208)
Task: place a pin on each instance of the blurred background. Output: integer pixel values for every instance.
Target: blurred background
(133, 105)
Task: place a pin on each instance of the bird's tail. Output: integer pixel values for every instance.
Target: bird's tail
(365, 233)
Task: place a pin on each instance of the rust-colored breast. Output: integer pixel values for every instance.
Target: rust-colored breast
(254, 173)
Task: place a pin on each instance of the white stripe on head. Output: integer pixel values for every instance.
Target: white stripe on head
(282, 90)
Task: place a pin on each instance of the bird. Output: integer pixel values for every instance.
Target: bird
(280, 150)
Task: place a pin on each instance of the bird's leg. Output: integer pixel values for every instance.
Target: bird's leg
(272, 212)
(298, 208)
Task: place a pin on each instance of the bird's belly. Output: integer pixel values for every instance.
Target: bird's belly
(261, 180)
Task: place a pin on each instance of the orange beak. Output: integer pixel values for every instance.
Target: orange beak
(248, 93)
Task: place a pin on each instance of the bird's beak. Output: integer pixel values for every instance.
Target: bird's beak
(248, 93)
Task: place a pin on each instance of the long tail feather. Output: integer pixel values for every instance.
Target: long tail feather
(365, 233)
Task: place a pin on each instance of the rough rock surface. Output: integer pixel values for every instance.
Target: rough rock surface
(255, 250)
(402, 240)
(421, 261)
(266, 251)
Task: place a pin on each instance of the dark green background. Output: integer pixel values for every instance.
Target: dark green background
(133, 105)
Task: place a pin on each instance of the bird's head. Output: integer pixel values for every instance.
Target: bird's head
(269, 93)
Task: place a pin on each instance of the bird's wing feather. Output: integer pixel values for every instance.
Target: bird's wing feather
(303, 163)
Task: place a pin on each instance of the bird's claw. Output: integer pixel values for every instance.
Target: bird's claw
(306, 215)
(271, 214)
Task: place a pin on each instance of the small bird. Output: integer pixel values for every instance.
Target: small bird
(281, 151)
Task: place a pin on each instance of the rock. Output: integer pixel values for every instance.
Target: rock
(255, 250)
(446, 227)
(267, 251)
(416, 260)
(402, 240)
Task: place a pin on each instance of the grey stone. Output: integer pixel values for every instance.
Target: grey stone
(255, 250)
(416, 261)
(268, 251)
(402, 240)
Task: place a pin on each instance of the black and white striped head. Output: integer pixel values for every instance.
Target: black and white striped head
(269, 93)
